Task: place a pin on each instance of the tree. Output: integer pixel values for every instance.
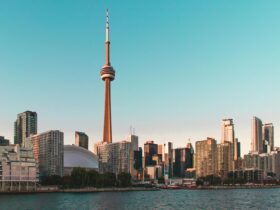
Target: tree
(67, 181)
(240, 180)
(92, 178)
(51, 180)
(210, 179)
(200, 181)
(213, 180)
(109, 179)
(79, 177)
(124, 179)
(228, 181)
(161, 180)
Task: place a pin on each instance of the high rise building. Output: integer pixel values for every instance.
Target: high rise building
(206, 157)
(3, 141)
(138, 164)
(183, 160)
(225, 159)
(107, 75)
(114, 157)
(236, 149)
(268, 137)
(257, 142)
(160, 152)
(227, 129)
(138, 160)
(24, 126)
(48, 151)
(96, 147)
(81, 139)
(150, 150)
(123, 156)
(251, 161)
(133, 139)
(170, 159)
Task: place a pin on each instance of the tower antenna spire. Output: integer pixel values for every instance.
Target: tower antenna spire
(107, 41)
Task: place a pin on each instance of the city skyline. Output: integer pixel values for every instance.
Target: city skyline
(137, 97)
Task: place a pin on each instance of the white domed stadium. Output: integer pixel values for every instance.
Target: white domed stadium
(75, 156)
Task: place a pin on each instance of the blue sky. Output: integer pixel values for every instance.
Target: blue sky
(181, 66)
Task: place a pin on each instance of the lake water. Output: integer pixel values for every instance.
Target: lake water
(164, 199)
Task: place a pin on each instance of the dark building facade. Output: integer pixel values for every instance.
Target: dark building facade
(138, 163)
(25, 126)
(81, 139)
(150, 149)
(170, 159)
(3, 141)
(268, 137)
(183, 159)
(248, 175)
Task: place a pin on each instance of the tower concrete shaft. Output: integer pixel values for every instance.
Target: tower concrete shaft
(107, 75)
(107, 130)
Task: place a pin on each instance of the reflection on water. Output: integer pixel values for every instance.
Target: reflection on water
(164, 199)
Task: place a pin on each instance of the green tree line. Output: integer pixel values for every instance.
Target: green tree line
(81, 178)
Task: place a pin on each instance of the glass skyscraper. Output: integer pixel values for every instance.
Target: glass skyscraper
(24, 126)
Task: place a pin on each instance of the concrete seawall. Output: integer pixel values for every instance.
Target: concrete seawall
(82, 190)
(109, 189)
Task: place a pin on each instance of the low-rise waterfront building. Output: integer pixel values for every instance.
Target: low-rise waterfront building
(190, 173)
(266, 165)
(154, 172)
(275, 163)
(246, 176)
(18, 169)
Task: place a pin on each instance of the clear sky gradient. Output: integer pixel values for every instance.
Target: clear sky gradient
(181, 66)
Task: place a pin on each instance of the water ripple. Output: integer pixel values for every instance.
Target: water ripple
(163, 200)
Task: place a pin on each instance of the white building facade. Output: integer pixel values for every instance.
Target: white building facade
(48, 148)
(18, 169)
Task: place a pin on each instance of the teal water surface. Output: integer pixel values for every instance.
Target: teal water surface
(164, 199)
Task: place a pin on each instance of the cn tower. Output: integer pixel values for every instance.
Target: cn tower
(107, 75)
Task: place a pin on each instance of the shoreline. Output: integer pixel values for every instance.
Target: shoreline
(247, 187)
(83, 190)
(131, 189)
